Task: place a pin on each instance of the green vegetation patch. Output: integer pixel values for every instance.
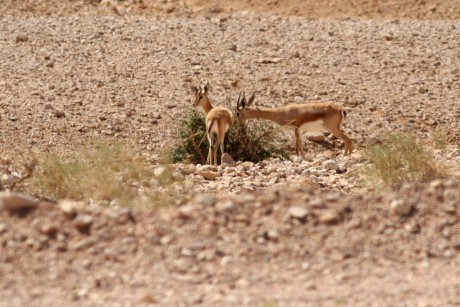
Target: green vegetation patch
(252, 141)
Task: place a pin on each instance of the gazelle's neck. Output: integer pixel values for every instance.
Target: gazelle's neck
(206, 105)
(270, 114)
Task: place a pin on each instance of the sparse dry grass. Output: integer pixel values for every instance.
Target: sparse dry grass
(107, 172)
(439, 139)
(398, 159)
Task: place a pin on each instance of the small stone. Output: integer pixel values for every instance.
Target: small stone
(248, 164)
(225, 206)
(422, 90)
(83, 222)
(226, 260)
(49, 229)
(331, 165)
(272, 235)
(316, 137)
(208, 175)
(227, 159)
(69, 207)
(21, 39)
(268, 60)
(400, 207)
(166, 240)
(329, 217)
(59, 114)
(15, 201)
(450, 208)
(188, 169)
(205, 199)
(163, 173)
(298, 212)
(177, 176)
(242, 283)
(3, 228)
(436, 184)
(186, 212)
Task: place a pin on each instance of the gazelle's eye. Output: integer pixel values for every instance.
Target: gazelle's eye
(200, 97)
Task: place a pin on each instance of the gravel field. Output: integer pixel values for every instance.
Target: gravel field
(273, 233)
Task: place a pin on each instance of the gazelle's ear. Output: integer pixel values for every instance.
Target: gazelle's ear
(206, 88)
(243, 100)
(238, 104)
(194, 88)
(251, 99)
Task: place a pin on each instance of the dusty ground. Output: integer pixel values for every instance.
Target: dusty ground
(75, 72)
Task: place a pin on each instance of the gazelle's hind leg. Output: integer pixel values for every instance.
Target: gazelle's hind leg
(210, 151)
(208, 159)
(219, 142)
(333, 124)
(214, 153)
(298, 143)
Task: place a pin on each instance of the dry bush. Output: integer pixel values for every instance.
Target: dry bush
(399, 158)
(108, 171)
(252, 141)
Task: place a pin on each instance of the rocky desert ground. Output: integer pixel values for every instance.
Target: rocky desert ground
(305, 232)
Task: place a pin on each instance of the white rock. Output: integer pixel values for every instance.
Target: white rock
(83, 221)
(69, 207)
(330, 165)
(298, 212)
(400, 207)
(225, 206)
(163, 173)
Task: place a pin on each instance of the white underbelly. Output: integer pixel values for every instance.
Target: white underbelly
(314, 126)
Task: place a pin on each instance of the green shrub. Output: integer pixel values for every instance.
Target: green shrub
(399, 158)
(252, 141)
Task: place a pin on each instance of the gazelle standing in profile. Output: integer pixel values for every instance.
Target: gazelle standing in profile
(218, 121)
(312, 117)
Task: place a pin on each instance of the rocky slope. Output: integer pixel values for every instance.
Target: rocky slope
(287, 233)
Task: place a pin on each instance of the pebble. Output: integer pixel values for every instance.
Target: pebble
(400, 207)
(331, 165)
(227, 159)
(69, 207)
(208, 175)
(205, 199)
(329, 217)
(14, 201)
(163, 173)
(298, 212)
(83, 222)
(3, 228)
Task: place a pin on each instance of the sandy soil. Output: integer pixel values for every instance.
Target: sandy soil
(78, 71)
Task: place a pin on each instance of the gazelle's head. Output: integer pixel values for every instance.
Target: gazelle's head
(241, 104)
(200, 95)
